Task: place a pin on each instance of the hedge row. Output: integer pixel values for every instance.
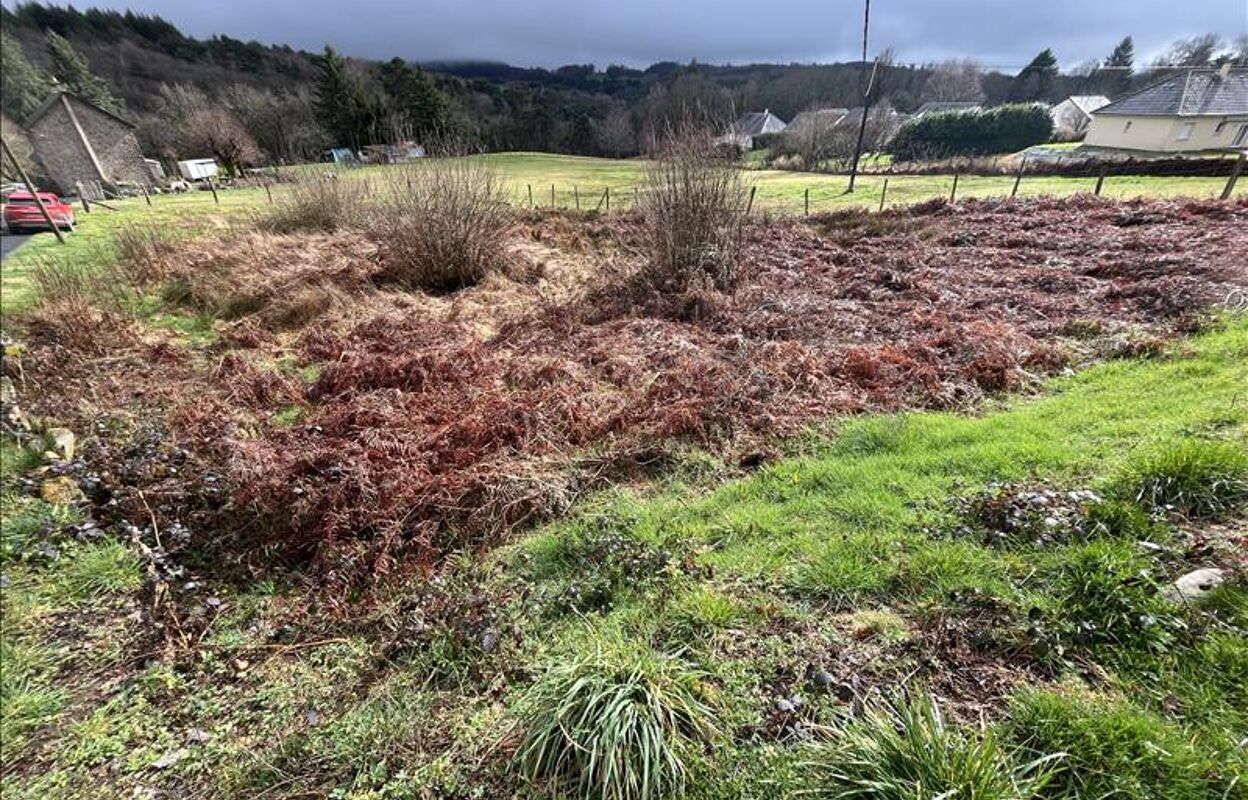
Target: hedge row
(1003, 129)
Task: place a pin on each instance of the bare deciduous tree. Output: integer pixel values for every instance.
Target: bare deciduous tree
(218, 132)
(954, 81)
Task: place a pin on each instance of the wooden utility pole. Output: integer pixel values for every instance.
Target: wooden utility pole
(868, 85)
(1235, 173)
(1018, 178)
(30, 187)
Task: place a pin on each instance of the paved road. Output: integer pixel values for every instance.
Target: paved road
(10, 242)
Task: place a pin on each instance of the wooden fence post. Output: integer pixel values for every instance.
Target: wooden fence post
(1019, 177)
(213, 186)
(146, 196)
(1235, 173)
(953, 193)
(82, 195)
(1100, 181)
(34, 192)
(530, 195)
(552, 195)
(636, 197)
(806, 202)
(883, 194)
(269, 192)
(576, 194)
(750, 203)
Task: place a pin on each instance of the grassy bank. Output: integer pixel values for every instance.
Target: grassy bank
(756, 618)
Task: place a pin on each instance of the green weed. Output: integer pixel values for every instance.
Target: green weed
(616, 724)
(904, 750)
(1118, 751)
(1196, 478)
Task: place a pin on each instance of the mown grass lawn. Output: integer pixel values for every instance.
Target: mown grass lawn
(714, 600)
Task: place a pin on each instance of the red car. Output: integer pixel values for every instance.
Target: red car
(22, 214)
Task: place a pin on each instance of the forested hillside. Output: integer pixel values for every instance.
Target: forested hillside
(261, 103)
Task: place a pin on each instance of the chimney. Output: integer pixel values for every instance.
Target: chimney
(1225, 72)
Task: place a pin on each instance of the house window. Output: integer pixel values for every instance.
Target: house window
(1185, 131)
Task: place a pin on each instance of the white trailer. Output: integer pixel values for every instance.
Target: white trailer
(196, 169)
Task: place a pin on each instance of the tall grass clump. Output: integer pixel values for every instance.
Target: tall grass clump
(1117, 750)
(903, 749)
(323, 204)
(81, 308)
(693, 205)
(143, 253)
(443, 224)
(615, 725)
(1196, 478)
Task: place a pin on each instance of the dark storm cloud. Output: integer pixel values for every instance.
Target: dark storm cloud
(638, 32)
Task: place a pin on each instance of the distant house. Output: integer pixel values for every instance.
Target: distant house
(816, 121)
(1194, 110)
(1072, 116)
(76, 141)
(939, 108)
(742, 132)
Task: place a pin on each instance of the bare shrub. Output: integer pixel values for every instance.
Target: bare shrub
(324, 203)
(443, 224)
(693, 207)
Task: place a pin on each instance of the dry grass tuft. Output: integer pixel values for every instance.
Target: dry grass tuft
(73, 324)
(324, 203)
(143, 253)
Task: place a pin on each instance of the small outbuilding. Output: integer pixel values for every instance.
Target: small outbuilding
(1190, 111)
(1072, 116)
(76, 141)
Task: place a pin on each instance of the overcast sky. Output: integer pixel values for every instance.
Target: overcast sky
(1002, 33)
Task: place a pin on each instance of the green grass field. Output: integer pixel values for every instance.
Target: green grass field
(573, 177)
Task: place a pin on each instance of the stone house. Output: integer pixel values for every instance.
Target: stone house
(76, 141)
(742, 132)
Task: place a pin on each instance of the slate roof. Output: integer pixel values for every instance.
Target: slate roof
(1087, 103)
(1196, 92)
(756, 124)
(55, 98)
(819, 118)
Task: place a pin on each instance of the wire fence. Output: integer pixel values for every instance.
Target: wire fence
(880, 189)
(797, 193)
